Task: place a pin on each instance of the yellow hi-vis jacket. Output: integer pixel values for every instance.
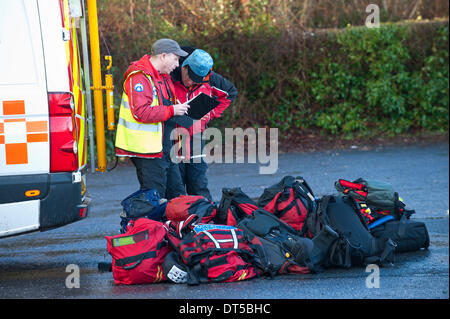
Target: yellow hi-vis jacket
(134, 136)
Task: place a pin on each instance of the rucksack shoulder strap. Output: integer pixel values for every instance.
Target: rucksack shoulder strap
(304, 188)
(387, 255)
(318, 218)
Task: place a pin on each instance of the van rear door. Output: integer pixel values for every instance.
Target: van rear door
(24, 127)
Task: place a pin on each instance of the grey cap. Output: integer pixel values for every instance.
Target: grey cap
(167, 46)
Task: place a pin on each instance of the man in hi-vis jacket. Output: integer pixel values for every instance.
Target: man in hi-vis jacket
(144, 125)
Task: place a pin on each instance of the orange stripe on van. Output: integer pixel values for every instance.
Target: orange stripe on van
(40, 137)
(14, 120)
(2, 139)
(2, 128)
(36, 126)
(13, 107)
(16, 153)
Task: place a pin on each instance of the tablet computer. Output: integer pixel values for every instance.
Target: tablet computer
(200, 105)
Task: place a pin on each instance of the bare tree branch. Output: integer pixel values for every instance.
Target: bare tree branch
(414, 9)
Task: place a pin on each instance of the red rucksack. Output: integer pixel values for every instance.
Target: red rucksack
(290, 200)
(137, 255)
(213, 253)
(181, 207)
(234, 206)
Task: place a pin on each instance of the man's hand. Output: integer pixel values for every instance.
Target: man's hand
(180, 109)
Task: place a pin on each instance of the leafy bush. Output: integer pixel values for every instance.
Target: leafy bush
(373, 88)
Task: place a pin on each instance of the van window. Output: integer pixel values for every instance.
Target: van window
(17, 54)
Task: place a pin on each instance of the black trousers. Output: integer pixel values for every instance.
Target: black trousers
(194, 177)
(153, 173)
(193, 173)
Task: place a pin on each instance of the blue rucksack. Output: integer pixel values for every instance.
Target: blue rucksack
(142, 203)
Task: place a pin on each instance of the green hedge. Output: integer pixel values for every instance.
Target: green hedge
(362, 81)
(375, 82)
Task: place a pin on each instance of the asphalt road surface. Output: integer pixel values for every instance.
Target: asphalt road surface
(40, 265)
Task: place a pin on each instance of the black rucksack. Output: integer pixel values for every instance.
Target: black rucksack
(409, 235)
(355, 245)
(284, 251)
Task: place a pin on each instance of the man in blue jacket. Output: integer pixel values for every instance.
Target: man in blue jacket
(192, 77)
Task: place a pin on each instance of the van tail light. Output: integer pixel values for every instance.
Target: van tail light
(63, 133)
(82, 210)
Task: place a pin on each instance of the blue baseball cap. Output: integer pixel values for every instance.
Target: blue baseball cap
(199, 64)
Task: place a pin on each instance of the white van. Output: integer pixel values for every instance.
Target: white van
(42, 118)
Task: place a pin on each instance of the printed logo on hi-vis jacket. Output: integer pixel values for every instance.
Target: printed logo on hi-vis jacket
(17, 132)
(139, 87)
